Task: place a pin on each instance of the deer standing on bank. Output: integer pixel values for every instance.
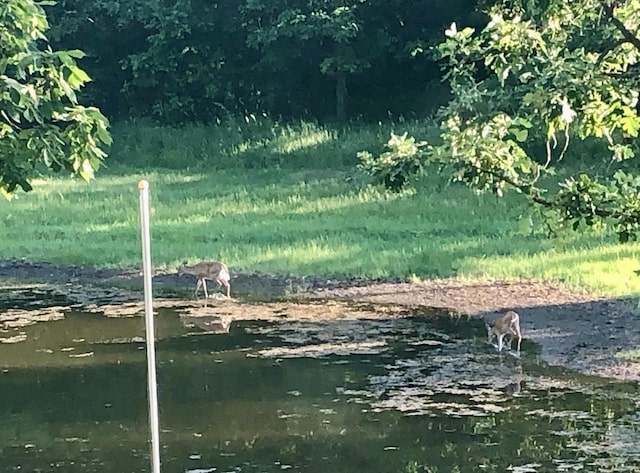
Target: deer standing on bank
(506, 324)
(212, 270)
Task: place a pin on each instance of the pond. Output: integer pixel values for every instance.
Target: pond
(397, 394)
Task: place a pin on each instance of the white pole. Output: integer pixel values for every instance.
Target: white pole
(154, 423)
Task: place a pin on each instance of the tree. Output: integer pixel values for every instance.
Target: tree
(42, 126)
(317, 32)
(191, 66)
(356, 44)
(199, 60)
(110, 32)
(539, 78)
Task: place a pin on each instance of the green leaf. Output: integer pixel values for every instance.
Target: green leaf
(520, 135)
(77, 78)
(75, 53)
(86, 170)
(525, 225)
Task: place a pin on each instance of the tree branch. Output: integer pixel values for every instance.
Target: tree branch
(527, 189)
(610, 47)
(535, 195)
(628, 35)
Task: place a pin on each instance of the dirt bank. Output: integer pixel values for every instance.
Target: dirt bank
(572, 329)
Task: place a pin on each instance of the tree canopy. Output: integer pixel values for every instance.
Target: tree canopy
(539, 79)
(42, 125)
(198, 60)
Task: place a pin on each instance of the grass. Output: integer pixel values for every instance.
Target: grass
(252, 143)
(217, 194)
(629, 355)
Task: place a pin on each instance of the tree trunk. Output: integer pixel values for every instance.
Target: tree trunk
(341, 96)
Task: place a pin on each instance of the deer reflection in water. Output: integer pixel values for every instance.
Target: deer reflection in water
(518, 382)
(207, 323)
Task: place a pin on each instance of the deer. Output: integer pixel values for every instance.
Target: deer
(213, 270)
(506, 324)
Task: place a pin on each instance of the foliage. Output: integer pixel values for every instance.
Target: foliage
(176, 61)
(326, 30)
(397, 165)
(537, 78)
(189, 69)
(196, 60)
(42, 124)
(348, 41)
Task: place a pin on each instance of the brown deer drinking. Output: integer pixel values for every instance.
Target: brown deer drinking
(506, 324)
(212, 270)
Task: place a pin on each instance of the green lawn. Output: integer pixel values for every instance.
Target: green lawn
(310, 214)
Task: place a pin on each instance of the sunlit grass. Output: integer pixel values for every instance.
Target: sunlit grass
(254, 143)
(602, 266)
(298, 218)
(631, 355)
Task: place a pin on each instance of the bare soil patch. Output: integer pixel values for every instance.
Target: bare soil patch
(573, 329)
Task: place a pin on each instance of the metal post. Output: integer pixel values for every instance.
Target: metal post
(154, 422)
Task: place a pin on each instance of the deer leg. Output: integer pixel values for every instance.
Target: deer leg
(500, 337)
(204, 285)
(198, 287)
(519, 335)
(225, 283)
(489, 334)
(510, 342)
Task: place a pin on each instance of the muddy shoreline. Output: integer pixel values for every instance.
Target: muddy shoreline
(571, 329)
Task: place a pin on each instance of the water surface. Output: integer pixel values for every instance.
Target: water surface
(398, 395)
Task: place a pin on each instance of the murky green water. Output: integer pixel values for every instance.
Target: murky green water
(404, 395)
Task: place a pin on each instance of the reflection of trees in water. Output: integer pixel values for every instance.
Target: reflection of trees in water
(440, 399)
(511, 417)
